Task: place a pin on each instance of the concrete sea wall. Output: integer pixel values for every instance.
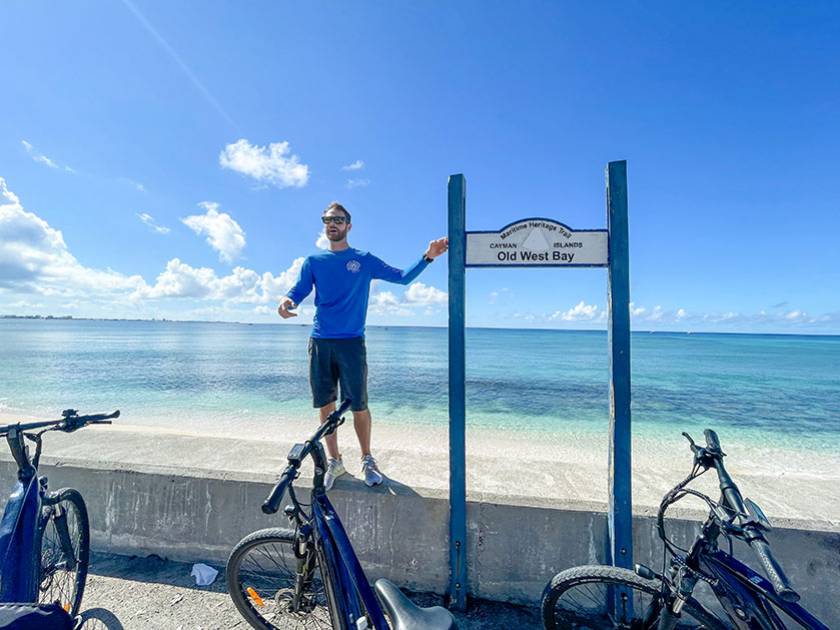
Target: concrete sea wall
(515, 544)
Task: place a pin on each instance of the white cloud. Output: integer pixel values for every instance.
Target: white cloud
(241, 286)
(637, 311)
(323, 242)
(419, 293)
(149, 220)
(386, 303)
(35, 258)
(580, 312)
(656, 314)
(134, 184)
(354, 166)
(43, 159)
(735, 320)
(181, 280)
(274, 164)
(417, 296)
(495, 295)
(357, 183)
(40, 157)
(223, 233)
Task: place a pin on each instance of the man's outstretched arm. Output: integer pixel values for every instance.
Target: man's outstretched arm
(383, 271)
(298, 293)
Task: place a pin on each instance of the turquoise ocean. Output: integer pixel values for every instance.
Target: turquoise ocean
(779, 390)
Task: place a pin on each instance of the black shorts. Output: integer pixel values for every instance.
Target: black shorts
(334, 361)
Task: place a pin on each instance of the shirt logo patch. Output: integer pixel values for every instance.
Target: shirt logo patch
(353, 266)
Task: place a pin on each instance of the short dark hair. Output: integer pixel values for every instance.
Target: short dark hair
(337, 206)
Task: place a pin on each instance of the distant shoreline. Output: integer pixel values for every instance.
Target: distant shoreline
(64, 318)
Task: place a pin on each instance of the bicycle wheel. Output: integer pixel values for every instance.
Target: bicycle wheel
(272, 588)
(65, 549)
(579, 598)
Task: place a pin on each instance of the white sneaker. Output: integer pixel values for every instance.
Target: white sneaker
(373, 477)
(335, 468)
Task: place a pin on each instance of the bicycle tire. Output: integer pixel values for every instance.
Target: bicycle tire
(56, 583)
(261, 575)
(595, 615)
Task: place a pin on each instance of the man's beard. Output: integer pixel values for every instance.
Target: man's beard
(336, 236)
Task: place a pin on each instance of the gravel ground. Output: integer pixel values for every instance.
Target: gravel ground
(150, 593)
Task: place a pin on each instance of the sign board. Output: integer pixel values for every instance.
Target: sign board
(538, 243)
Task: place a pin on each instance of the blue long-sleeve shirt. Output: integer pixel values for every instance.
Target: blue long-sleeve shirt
(342, 289)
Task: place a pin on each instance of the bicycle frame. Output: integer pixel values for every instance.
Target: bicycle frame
(350, 585)
(19, 547)
(751, 590)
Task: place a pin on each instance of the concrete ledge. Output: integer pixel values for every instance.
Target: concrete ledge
(516, 544)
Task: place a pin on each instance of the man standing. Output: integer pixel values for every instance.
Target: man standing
(341, 277)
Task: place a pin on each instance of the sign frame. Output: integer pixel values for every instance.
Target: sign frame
(620, 517)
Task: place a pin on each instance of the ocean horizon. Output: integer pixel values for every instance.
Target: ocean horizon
(387, 326)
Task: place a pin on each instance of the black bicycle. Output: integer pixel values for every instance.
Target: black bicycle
(309, 576)
(610, 597)
(44, 536)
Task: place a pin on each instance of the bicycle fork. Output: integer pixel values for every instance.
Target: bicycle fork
(61, 527)
(305, 574)
(684, 581)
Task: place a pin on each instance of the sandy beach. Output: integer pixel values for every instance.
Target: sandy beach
(536, 468)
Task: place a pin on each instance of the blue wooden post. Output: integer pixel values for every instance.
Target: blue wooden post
(621, 505)
(457, 396)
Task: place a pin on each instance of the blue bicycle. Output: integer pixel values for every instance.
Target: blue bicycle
(309, 576)
(611, 597)
(44, 536)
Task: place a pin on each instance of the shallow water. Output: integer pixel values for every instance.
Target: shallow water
(779, 390)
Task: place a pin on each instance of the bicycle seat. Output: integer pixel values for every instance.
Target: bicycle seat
(405, 615)
(34, 617)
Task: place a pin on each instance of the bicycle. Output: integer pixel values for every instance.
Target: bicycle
(612, 597)
(44, 536)
(309, 576)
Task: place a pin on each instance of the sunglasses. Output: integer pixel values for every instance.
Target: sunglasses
(336, 220)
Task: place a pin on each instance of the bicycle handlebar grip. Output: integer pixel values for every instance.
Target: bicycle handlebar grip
(272, 502)
(99, 417)
(774, 572)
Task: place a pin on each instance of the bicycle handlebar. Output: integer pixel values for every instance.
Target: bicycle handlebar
(70, 422)
(752, 534)
(275, 497)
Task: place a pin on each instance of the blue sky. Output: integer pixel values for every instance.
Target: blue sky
(172, 159)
